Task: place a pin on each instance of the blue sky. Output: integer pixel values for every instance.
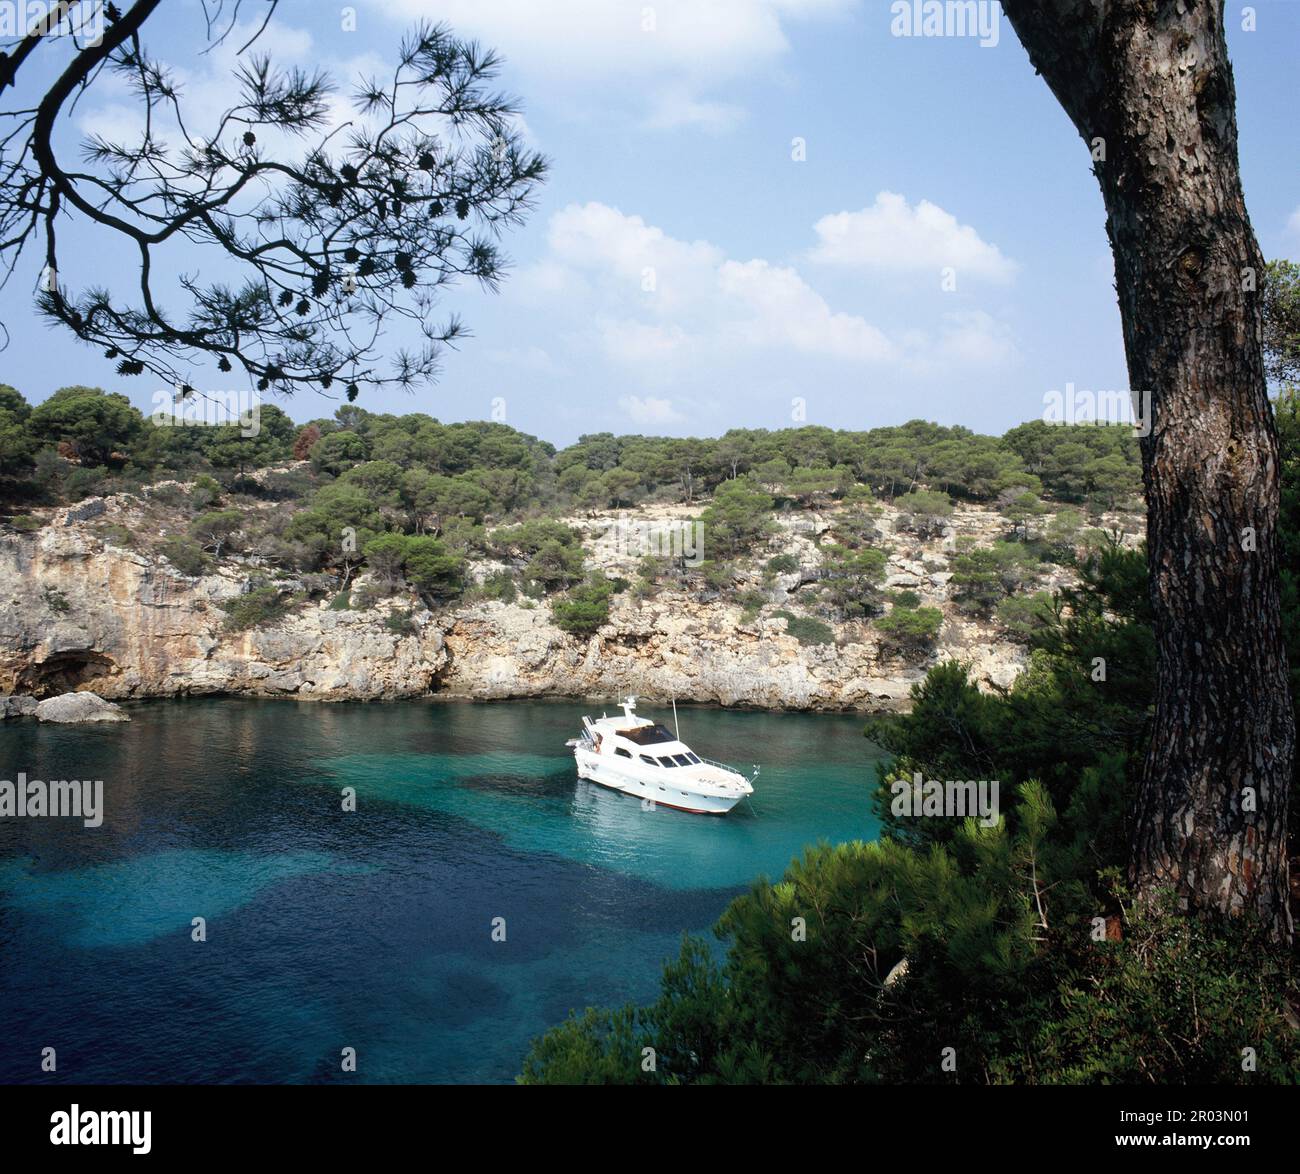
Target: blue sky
(784, 291)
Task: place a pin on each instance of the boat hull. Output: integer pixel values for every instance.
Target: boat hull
(597, 769)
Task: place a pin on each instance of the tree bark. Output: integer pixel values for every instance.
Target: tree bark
(1151, 80)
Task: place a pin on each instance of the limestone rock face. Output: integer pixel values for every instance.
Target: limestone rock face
(21, 705)
(79, 707)
(671, 646)
(79, 612)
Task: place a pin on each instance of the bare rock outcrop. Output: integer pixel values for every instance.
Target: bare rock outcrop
(80, 612)
(20, 705)
(69, 708)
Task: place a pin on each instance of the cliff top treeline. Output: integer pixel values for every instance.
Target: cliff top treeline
(417, 503)
(85, 441)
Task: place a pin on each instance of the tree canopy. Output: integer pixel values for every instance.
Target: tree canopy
(324, 235)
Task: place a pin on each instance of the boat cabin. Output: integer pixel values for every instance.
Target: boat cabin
(629, 736)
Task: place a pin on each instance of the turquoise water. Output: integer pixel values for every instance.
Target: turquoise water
(370, 929)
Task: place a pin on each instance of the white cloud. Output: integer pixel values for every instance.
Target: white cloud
(650, 412)
(533, 359)
(676, 106)
(665, 308)
(678, 297)
(667, 55)
(785, 309)
(965, 340)
(594, 234)
(628, 341)
(893, 235)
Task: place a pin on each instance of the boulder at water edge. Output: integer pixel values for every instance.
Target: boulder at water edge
(79, 707)
(17, 705)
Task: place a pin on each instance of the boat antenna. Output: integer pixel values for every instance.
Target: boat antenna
(676, 728)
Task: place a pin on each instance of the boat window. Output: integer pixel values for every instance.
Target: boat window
(681, 760)
(651, 761)
(624, 753)
(695, 758)
(648, 735)
(666, 762)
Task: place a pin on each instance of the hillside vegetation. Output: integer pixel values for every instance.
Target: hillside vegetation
(413, 504)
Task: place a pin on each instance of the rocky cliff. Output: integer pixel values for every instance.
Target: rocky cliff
(78, 610)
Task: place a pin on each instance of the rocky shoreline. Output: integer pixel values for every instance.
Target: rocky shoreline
(80, 611)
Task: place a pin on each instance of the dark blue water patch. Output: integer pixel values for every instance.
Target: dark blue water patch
(555, 784)
(295, 974)
(372, 929)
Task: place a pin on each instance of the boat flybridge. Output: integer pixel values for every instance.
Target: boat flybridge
(644, 759)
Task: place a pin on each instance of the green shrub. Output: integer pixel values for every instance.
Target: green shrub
(783, 564)
(807, 630)
(739, 516)
(751, 603)
(718, 576)
(84, 482)
(206, 491)
(168, 494)
(365, 596)
(116, 534)
(586, 607)
(215, 530)
(552, 550)
(337, 452)
(985, 575)
(425, 562)
(56, 601)
(26, 523)
(386, 558)
(185, 555)
(401, 623)
(554, 566)
(852, 579)
(255, 609)
(1170, 1003)
(342, 601)
(923, 512)
(1026, 615)
(432, 569)
(651, 568)
(501, 586)
(909, 630)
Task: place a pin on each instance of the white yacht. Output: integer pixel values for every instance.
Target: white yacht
(644, 759)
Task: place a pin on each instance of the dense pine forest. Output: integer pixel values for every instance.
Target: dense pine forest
(452, 484)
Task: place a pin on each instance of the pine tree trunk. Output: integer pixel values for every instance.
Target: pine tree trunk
(1150, 81)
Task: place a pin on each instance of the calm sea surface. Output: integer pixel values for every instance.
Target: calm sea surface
(370, 930)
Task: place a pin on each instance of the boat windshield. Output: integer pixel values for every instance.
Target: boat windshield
(648, 735)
